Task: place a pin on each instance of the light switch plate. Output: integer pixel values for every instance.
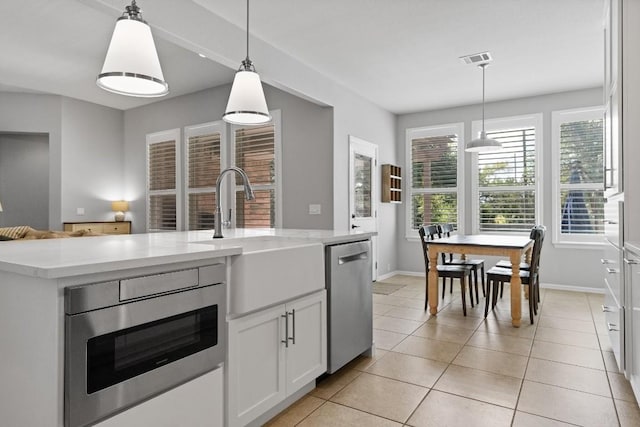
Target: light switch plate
(315, 209)
(79, 211)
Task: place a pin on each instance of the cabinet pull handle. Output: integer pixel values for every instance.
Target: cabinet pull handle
(612, 270)
(630, 261)
(605, 261)
(612, 327)
(605, 309)
(293, 326)
(286, 329)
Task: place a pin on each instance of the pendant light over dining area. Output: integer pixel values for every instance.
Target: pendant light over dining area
(247, 104)
(482, 143)
(131, 66)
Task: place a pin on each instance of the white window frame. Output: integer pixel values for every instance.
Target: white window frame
(426, 132)
(505, 124)
(154, 138)
(573, 241)
(218, 126)
(276, 120)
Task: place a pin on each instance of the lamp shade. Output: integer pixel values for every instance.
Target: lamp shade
(247, 105)
(120, 206)
(131, 66)
(483, 144)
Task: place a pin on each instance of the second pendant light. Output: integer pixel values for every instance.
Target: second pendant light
(247, 104)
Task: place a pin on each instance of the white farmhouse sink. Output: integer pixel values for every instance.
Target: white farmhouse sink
(271, 270)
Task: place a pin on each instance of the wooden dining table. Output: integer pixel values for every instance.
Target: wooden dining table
(513, 247)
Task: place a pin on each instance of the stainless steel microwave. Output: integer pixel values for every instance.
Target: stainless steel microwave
(131, 339)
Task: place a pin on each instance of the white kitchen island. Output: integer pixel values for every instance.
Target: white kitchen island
(34, 274)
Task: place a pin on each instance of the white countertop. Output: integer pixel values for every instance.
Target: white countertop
(65, 257)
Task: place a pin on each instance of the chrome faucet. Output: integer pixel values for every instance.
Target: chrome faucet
(248, 192)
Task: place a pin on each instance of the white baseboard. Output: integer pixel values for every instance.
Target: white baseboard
(571, 288)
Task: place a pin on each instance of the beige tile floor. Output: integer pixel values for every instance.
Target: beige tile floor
(452, 370)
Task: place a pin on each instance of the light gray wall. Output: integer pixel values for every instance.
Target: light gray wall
(38, 114)
(85, 151)
(306, 149)
(573, 267)
(92, 153)
(24, 180)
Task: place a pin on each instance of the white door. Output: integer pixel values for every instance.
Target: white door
(363, 191)
(307, 352)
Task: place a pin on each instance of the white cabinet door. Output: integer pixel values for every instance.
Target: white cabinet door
(198, 403)
(256, 364)
(307, 351)
(633, 334)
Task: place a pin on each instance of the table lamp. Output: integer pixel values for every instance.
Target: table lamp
(120, 207)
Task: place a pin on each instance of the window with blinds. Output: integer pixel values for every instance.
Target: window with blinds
(162, 179)
(507, 182)
(255, 153)
(579, 198)
(203, 163)
(433, 159)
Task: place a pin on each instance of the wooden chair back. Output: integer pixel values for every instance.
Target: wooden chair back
(427, 233)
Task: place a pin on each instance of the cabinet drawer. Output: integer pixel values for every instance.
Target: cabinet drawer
(117, 228)
(614, 318)
(88, 226)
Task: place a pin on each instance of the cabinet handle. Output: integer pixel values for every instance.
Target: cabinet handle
(612, 270)
(612, 327)
(286, 329)
(608, 221)
(606, 261)
(605, 309)
(630, 261)
(293, 326)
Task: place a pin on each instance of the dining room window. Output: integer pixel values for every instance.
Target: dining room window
(507, 182)
(578, 179)
(435, 175)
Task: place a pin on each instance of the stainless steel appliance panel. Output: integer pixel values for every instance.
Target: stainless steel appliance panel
(350, 316)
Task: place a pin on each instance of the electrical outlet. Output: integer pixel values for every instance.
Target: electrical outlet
(315, 209)
(80, 211)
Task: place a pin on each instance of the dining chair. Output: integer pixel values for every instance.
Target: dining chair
(505, 263)
(497, 276)
(429, 233)
(445, 230)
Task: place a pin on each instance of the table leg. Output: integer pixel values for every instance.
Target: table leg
(433, 282)
(516, 289)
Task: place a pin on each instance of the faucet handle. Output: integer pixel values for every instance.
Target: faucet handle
(227, 223)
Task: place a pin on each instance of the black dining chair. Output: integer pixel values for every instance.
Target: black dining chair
(445, 230)
(505, 263)
(461, 272)
(497, 276)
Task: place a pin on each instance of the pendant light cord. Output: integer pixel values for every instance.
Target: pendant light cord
(483, 67)
(248, 60)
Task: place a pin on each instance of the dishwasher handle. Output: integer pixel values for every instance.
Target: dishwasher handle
(352, 257)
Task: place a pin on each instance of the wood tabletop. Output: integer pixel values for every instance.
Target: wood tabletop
(491, 240)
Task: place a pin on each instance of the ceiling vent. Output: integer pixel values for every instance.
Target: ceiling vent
(477, 58)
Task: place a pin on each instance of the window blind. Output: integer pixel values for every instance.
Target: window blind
(161, 185)
(581, 177)
(506, 183)
(203, 165)
(255, 153)
(434, 180)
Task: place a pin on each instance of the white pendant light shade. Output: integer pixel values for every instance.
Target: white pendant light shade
(247, 104)
(131, 66)
(482, 143)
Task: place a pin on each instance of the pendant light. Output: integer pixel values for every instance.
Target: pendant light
(483, 143)
(131, 66)
(247, 105)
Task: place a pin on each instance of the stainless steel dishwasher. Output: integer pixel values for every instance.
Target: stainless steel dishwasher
(350, 317)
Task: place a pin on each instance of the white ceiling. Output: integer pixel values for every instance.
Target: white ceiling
(400, 54)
